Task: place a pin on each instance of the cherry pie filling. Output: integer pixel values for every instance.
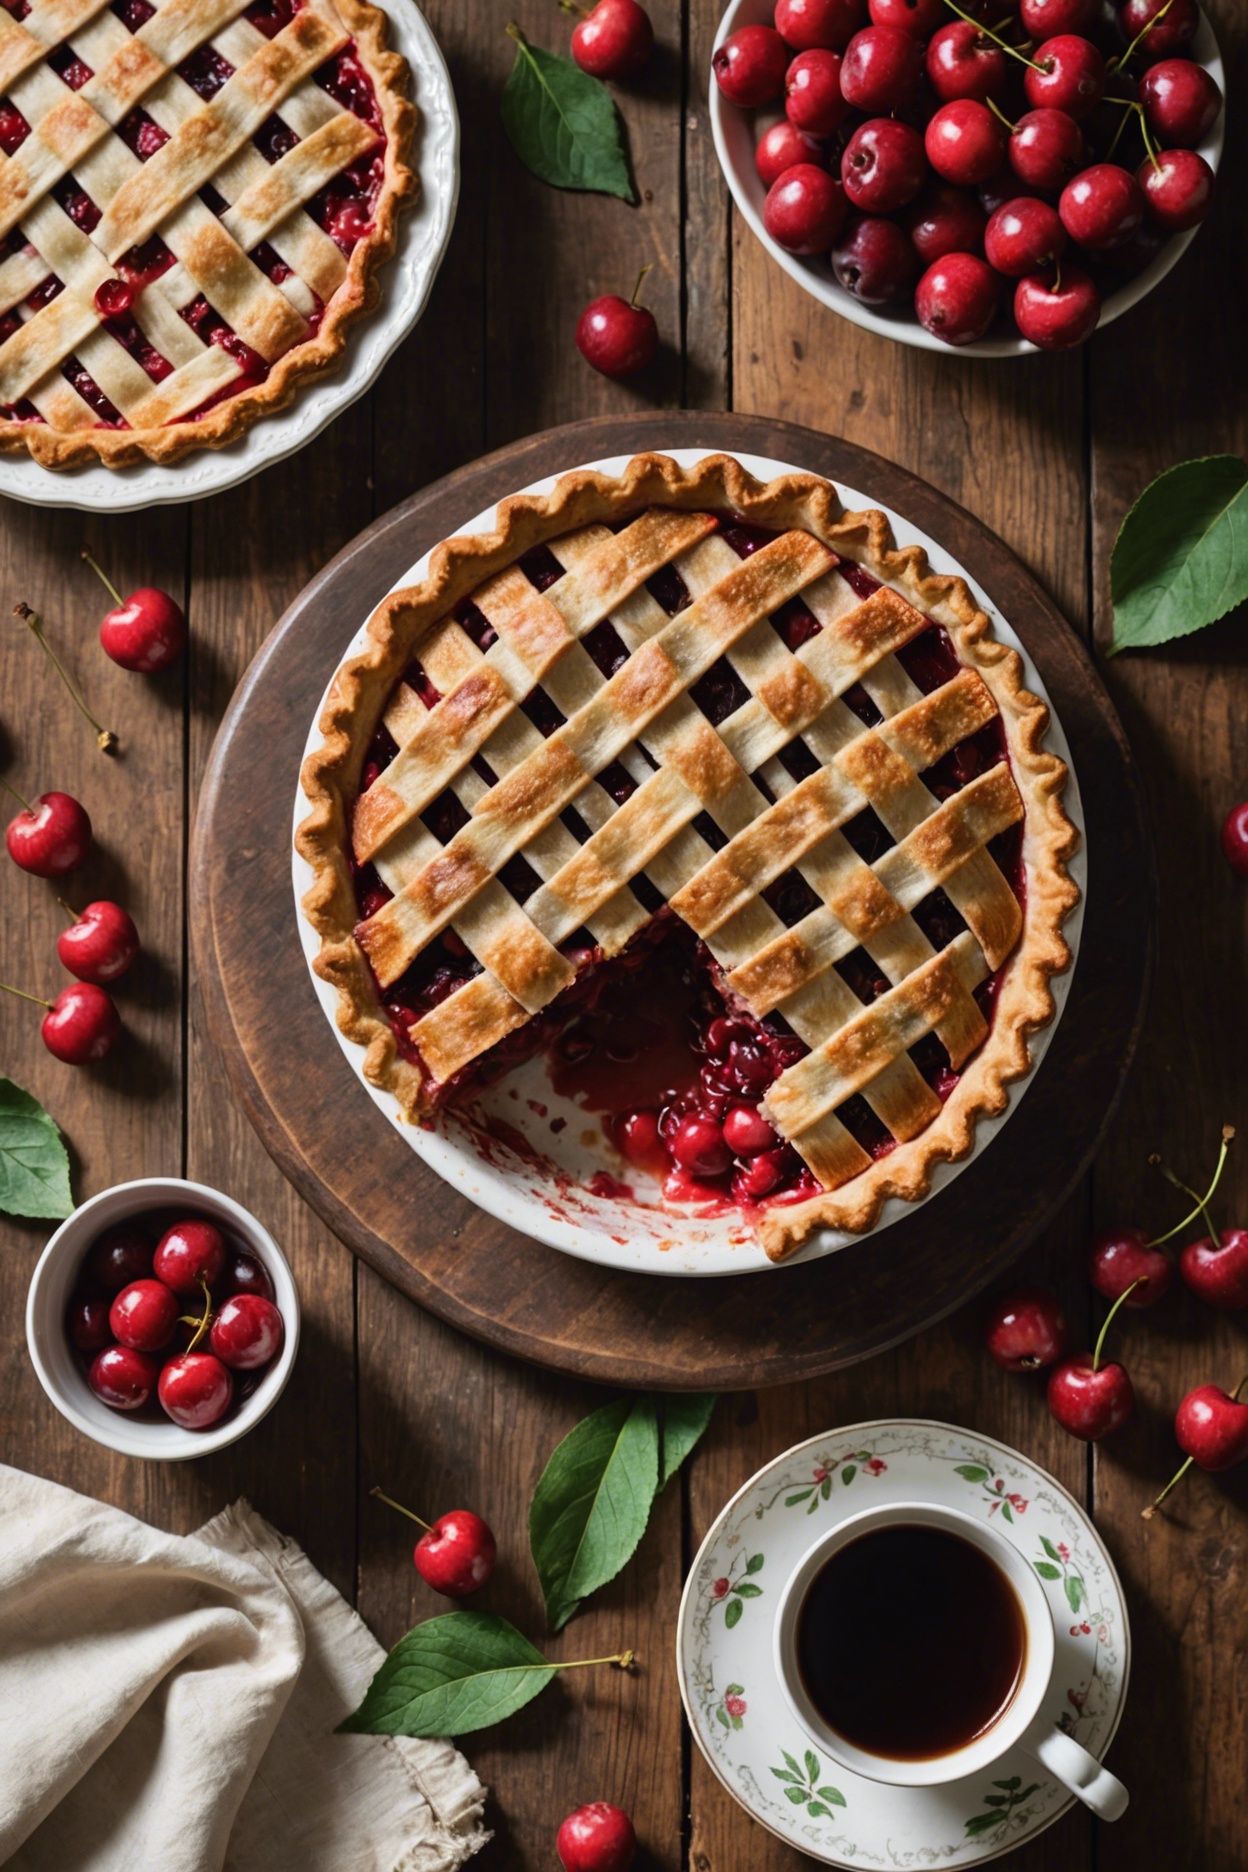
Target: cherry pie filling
(652, 1039)
(345, 209)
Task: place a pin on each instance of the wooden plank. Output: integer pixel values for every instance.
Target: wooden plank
(1186, 707)
(122, 1118)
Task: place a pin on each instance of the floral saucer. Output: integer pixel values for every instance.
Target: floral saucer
(724, 1644)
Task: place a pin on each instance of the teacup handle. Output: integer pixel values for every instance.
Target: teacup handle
(1076, 1769)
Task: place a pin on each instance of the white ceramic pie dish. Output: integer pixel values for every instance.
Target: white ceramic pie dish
(542, 1190)
(59, 1368)
(406, 282)
(735, 133)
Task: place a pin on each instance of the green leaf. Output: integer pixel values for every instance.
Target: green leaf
(1015, 1781)
(796, 1795)
(1007, 1513)
(818, 1811)
(996, 1800)
(980, 1823)
(1049, 1548)
(745, 1589)
(849, 1472)
(791, 1760)
(1046, 1570)
(1074, 1592)
(1180, 560)
(452, 1674)
(832, 1795)
(563, 124)
(754, 1564)
(593, 1500)
(782, 1774)
(34, 1164)
(721, 1716)
(732, 1613)
(733, 1690)
(971, 1472)
(791, 1501)
(812, 1766)
(683, 1420)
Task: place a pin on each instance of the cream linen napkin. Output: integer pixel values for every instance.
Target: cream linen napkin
(168, 1705)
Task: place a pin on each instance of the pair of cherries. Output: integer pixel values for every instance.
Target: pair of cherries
(127, 1316)
(52, 836)
(1091, 1397)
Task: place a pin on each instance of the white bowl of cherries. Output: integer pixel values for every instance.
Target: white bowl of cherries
(999, 175)
(163, 1319)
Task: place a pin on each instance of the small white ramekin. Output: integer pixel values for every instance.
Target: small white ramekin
(59, 1367)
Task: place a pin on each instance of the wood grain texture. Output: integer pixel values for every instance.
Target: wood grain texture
(1049, 453)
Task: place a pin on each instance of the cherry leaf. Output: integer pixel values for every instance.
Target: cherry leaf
(683, 1421)
(450, 1675)
(1180, 561)
(34, 1164)
(592, 1503)
(563, 124)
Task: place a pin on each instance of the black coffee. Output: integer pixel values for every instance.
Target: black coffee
(910, 1642)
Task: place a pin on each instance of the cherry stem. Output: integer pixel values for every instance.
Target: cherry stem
(22, 994)
(391, 1503)
(1146, 1514)
(1122, 122)
(1201, 1203)
(205, 1318)
(1118, 63)
(572, 6)
(14, 794)
(1100, 1338)
(640, 277)
(69, 910)
(1057, 275)
(624, 1661)
(102, 575)
(105, 737)
(990, 34)
(997, 111)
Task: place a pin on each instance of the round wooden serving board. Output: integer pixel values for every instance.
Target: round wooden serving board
(374, 1193)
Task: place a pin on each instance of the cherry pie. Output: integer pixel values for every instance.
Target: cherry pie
(681, 725)
(194, 199)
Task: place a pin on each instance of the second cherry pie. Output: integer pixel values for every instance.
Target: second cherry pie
(680, 725)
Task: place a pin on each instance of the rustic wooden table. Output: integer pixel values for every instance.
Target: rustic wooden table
(1050, 451)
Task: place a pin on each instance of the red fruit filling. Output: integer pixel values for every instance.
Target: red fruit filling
(653, 1039)
(345, 208)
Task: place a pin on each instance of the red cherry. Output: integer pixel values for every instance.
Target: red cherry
(1178, 188)
(247, 1333)
(1026, 1330)
(1090, 1401)
(1066, 73)
(1056, 314)
(614, 40)
(81, 1025)
(100, 944)
(244, 1275)
(143, 1315)
(196, 1390)
(876, 262)
(919, 18)
(188, 1253)
(118, 1256)
(144, 632)
(596, 1838)
(1023, 235)
(804, 211)
(964, 62)
(1045, 149)
(1125, 1258)
(1181, 102)
(1044, 19)
(956, 299)
(637, 1137)
(1235, 838)
(1160, 36)
(50, 837)
(86, 1323)
(761, 1174)
(746, 1131)
(1218, 1274)
(1211, 1428)
(123, 1378)
(805, 24)
(964, 142)
(812, 92)
(883, 165)
(456, 1555)
(781, 148)
(750, 65)
(617, 336)
(944, 220)
(1102, 207)
(698, 1144)
(880, 71)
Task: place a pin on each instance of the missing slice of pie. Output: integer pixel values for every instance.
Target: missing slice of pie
(681, 726)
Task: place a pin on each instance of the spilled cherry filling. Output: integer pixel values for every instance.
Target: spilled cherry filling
(345, 208)
(652, 1040)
